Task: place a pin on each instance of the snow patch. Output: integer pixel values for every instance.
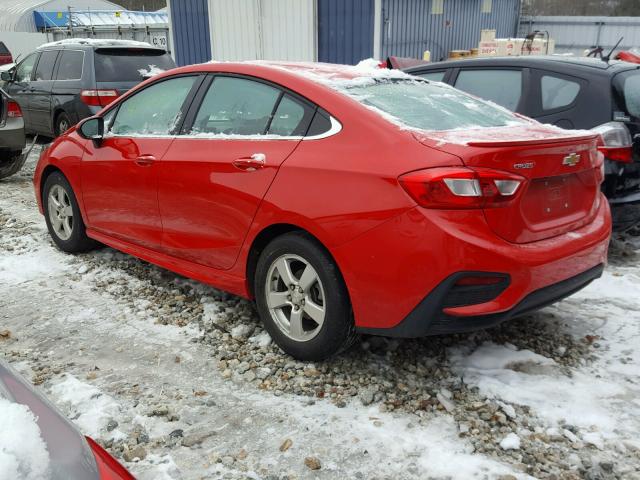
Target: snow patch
(89, 407)
(23, 453)
(510, 442)
(96, 42)
(152, 71)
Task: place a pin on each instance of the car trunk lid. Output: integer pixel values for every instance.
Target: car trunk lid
(560, 171)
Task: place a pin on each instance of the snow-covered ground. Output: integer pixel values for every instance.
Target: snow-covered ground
(178, 380)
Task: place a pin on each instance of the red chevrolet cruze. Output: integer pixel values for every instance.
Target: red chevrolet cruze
(342, 199)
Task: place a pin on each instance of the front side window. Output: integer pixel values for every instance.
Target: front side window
(156, 110)
(24, 70)
(503, 87)
(430, 106)
(237, 106)
(557, 92)
(70, 65)
(44, 70)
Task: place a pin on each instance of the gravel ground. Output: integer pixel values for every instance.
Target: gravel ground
(179, 380)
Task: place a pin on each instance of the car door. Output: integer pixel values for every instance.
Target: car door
(504, 86)
(41, 87)
(120, 174)
(20, 87)
(215, 175)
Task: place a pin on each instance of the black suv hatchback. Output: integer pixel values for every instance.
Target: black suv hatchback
(570, 92)
(63, 82)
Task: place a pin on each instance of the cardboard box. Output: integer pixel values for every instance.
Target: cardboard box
(487, 35)
(488, 49)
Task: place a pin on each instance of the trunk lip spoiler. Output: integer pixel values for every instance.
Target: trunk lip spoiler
(535, 141)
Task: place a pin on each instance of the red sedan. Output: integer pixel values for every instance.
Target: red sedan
(342, 199)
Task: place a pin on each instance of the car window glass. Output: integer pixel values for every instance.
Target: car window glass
(70, 65)
(23, 72)
(155, 110)
(4, 50)
(44, 70)
(503, 87)
(631, 91)
(432, 76)
(288, 118)
(130, 65)
(430, 106)
(558, 92)
(236, 106)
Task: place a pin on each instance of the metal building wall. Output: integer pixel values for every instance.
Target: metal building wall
(409, 28)
(190, 28)
(263, 29)
(575, 34)
(345, 30)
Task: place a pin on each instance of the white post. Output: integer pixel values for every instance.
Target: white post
(377, 29)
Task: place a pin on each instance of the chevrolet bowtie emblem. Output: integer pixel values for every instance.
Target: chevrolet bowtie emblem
(571, 160)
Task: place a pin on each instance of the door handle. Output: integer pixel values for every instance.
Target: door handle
(252, 163)
(145, 160)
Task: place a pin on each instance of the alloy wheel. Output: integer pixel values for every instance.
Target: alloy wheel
(60, 212)
(295, 297)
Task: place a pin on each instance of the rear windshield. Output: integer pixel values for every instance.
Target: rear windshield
(4, 50)
(628, 85)
(429, 106)
(129, 65)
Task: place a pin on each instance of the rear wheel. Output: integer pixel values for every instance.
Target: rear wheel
(62, 215)
(302, 298)
(62, 124)
(11, 163)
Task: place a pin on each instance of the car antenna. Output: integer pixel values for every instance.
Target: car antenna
(606, 58)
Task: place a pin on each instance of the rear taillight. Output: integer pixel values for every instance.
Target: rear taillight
(615, 142)
(461, 187)
(98, 98)
(13, 110)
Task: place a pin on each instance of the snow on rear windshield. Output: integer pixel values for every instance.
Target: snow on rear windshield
(428, 105)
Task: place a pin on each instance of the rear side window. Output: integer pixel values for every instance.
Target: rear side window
(237, 106)
(129, 65)
(70, 65)
(432, 76)
(44, 70)
(557, 92)
(4, 50)
(289, 118)
(25, 69)
(503, 87)
(156, 110)
(628, 84)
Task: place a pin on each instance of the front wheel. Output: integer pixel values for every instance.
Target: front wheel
(302, 298)
(63, 217)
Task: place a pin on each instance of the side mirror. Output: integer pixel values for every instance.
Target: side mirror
(6, 76)
(92, 129)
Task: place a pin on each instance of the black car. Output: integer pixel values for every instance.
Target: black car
(570, 92)
(63, 82)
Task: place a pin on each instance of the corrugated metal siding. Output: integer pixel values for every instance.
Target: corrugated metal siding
(262, 29)
(575, 34)
(409, 28)
(190, 26)
(345, 30)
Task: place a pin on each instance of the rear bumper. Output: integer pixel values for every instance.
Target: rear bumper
(402, 270)
(429, 318)
(12, 135)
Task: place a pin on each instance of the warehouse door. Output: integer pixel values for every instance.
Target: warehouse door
(262, 29)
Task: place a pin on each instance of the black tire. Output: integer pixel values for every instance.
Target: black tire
(12, 164)
(78, 240)
(62, 124)
(337, 331)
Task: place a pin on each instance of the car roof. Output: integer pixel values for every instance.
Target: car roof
(95, 43)
(594, 65)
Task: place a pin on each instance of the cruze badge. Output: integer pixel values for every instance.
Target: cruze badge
(524, 165)
(571, 160)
